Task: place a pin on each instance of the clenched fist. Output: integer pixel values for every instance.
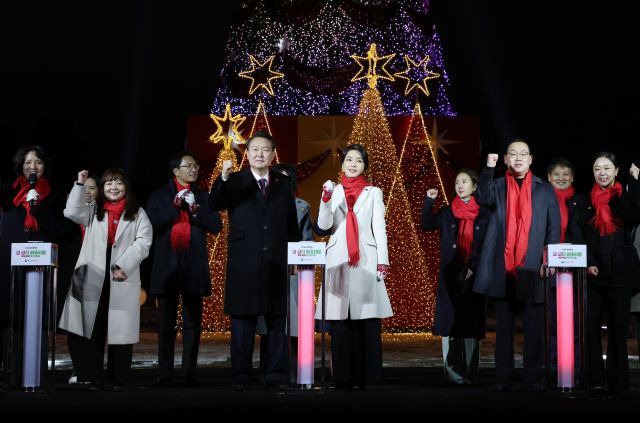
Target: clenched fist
(227, 166)
(432, 193)
(492, 160)
(327, 191)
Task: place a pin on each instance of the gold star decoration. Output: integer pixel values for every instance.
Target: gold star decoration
(233, 133)
(261, 74)
(371, 73)
(413, 67)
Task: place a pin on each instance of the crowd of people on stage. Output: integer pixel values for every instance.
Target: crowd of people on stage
(493, 238)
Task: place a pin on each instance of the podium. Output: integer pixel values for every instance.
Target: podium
(306, 255)
(32, 324)
(565, 315)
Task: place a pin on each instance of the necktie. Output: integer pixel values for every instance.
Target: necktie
(263, 186)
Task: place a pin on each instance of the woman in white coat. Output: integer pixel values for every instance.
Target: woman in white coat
(103, 303)
(357, 263)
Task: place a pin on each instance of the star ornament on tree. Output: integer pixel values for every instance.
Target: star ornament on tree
(369, 66)
(261, 74)
(417, 75)
(233, 134)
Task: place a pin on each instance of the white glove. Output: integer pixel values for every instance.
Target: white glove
(182, 193)
(328, 186)
(190, 198)
(32, 195)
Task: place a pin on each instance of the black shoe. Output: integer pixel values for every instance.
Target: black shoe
(117, 387)
(164, 380)
(238, 387)
(535, 387)
(340, 387)
(504, 387)
(276, 386)
(94, 387)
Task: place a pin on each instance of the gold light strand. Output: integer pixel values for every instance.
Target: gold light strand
(371, 73)
(408, 282)
(412, 84)
(262, 73)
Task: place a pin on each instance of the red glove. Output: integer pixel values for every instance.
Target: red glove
(382, 271)
(327, 191)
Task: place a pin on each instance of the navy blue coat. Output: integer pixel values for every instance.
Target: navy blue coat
(259, 229)
(545, 229)
(444, 220)
(192, 264)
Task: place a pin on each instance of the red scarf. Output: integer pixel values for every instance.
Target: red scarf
(181, 229)
(466, 213)
(604, 221)
(43, 188)
(114, 213)
(352, 189)
(563, 195)
(519, 212)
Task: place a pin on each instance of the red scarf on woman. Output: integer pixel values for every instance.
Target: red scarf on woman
(519, 212)
(181, 229)
(352, 189)
(466, 213)
(43, 188)
(563, 195)
(604, 221)
(115, 211)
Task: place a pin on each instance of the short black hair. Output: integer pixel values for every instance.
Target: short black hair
(289, 169)
(41, 153)
(607, 155)
(360, 149)
(174, 162)
(560, 162)
(265, 135)
(518, 140)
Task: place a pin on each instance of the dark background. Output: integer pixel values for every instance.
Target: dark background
(111, 84)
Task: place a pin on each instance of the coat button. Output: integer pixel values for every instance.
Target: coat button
(454, 245)
(453, 225)
(264, 248)
(265, 227)
(477, 228)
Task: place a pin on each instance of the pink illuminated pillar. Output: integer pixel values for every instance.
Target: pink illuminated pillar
(564, 313)
(306, 330)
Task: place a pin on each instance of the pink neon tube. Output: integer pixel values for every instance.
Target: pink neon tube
(306, 330)
(564, 313)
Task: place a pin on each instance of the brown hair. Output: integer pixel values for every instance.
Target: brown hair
(115, 174)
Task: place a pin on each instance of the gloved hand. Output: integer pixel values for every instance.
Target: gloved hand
(382, 271)
(190, 198)
(327, 191)
(179, 198)
(32, 195)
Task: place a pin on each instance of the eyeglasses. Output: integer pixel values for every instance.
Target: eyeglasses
(514, 155)
(191, 166)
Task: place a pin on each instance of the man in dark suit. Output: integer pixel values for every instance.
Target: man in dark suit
(525, 218)
(262, 219)
(181, 217)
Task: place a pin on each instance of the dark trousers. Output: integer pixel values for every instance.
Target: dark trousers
(356, 351)
(243, 333)
(90, 364)
(612, 305)
(191, 330)
(533, 322)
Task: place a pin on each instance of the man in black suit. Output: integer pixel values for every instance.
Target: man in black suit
(525, 218)
(262, 219)
(181, 217)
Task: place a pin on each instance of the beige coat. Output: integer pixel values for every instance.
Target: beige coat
(355, 292)
(132, 243)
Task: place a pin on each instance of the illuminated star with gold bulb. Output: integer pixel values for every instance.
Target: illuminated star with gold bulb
(233, 134)
(261, 74)
(370, 62)
(417, 75)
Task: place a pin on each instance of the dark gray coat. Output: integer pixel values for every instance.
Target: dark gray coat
(545, 229)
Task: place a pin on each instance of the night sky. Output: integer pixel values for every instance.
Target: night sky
(111, 84)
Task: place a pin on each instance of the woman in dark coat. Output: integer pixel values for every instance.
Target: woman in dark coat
(613, 271)
(460, 317)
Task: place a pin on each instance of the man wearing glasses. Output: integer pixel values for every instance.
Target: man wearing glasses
(181, 217)
(525, 218)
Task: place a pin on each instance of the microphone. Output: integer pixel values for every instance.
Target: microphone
(33, 178)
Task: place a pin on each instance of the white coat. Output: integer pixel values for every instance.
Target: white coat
(355, 292)
(132, 242)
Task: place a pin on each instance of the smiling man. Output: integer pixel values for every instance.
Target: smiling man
(262, 219)
(524, 219)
